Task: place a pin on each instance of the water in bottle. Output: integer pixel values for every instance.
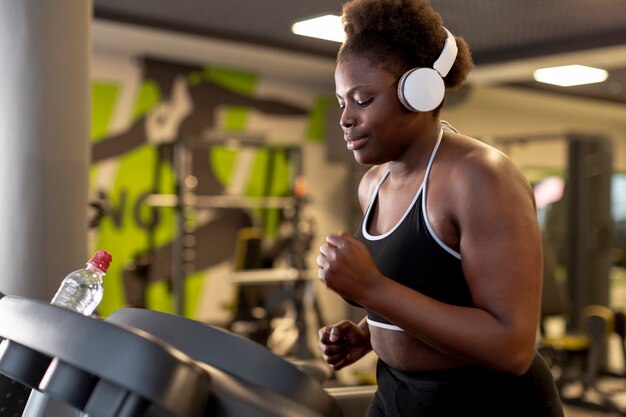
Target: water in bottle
(82, 290)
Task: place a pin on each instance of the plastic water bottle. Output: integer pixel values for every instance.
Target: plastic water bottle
(82, 290)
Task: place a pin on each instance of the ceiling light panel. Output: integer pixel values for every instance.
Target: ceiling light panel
(326, 27)
(570, 75)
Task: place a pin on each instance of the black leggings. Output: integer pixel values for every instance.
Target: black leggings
(468, 390)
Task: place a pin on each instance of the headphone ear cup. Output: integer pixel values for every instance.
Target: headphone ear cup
(421, 89)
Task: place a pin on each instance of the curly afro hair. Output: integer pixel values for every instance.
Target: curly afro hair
(398, 35)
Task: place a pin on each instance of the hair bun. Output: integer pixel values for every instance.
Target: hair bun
(399, 20)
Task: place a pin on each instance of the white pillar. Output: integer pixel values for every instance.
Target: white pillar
(44, 142)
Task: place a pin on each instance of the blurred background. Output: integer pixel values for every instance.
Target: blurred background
(198, 142)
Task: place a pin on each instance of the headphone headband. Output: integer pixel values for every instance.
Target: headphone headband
(444, 63)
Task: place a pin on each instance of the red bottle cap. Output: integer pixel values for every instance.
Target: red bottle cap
(101, 260)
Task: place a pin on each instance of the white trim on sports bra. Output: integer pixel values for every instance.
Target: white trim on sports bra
(422, 189)
(408, 210)
(384, 325)
(371, 203)
(425, 213)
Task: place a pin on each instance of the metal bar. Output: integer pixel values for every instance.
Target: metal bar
(220, 201)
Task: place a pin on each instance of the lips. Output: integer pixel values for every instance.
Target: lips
(353, 143)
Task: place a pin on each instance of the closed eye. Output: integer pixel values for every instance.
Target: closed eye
(365, 103)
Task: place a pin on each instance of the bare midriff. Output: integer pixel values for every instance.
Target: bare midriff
(404, 352)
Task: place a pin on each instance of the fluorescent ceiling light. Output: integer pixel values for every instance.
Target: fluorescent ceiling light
(327, 27)
(569, 75)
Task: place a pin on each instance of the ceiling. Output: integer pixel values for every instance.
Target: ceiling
(508, 38)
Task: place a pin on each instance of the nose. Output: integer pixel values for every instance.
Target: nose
(347, 120)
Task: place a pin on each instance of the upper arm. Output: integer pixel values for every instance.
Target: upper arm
(500, 243)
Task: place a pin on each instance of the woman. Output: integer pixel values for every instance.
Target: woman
(448, 260)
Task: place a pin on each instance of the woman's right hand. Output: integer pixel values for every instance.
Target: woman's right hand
(344, 343)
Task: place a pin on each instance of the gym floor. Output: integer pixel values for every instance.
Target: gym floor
(615, 387)
(618, 300)
(571, 411)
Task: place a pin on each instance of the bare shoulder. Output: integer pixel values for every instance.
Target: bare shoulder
(368, 183)
(485, 178)
(481, 166)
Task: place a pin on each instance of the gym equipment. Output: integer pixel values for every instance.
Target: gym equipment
(14, 394)
(353, 400)
(577, 361)
(251, 362)
(620, 330)
(423, 89)
(233, 354)
(199, 190)
(109, 370)
(94, 366)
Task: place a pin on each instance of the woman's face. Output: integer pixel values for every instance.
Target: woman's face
(377, 128)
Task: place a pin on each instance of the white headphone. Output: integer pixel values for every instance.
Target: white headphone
(422, 89)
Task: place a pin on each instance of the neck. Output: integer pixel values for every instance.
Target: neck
(415, 160)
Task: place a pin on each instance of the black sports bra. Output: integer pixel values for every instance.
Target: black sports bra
(413, 255)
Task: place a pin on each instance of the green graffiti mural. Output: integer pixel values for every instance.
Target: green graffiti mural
(138, 163)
